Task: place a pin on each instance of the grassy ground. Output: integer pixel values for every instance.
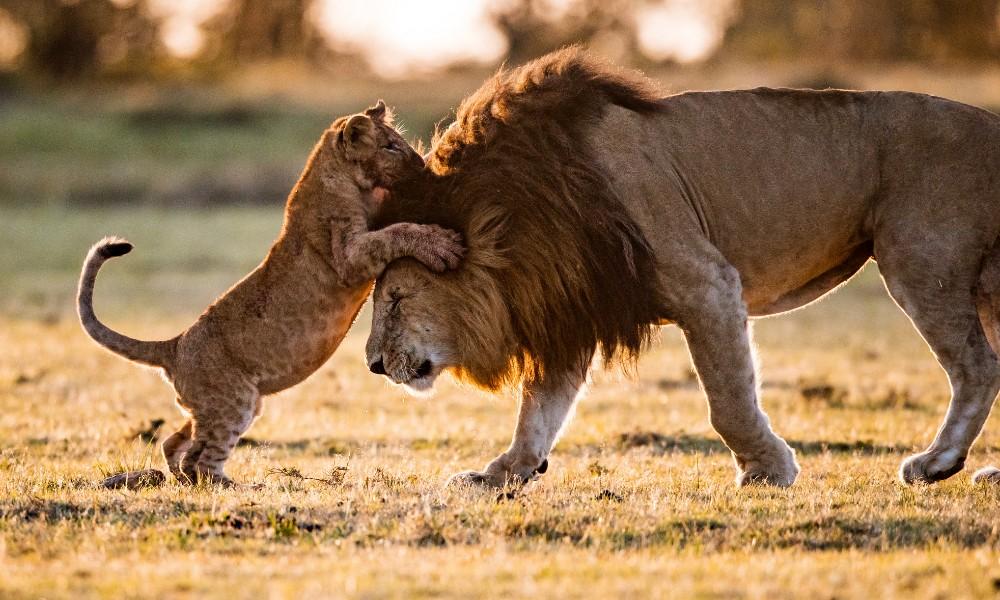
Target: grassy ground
(638, 500)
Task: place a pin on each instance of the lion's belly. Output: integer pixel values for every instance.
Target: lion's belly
(787, 258)
(784, 289)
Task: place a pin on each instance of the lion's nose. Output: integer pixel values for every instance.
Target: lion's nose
(377, 367)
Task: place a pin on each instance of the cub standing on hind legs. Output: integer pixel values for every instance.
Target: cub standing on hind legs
(284, 320)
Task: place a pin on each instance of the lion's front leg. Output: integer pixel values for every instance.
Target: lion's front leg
(718, 338)
(545, 407)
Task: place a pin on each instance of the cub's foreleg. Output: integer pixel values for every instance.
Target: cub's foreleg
(362, 257)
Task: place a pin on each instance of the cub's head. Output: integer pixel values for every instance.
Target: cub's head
(366, 150)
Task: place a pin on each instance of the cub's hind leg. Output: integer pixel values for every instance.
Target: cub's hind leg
(218, 422)
(936, 288)
(174, 448)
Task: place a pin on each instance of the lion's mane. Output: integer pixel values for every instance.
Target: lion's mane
(556, 268)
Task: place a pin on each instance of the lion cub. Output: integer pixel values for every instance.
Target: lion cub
(283, 320)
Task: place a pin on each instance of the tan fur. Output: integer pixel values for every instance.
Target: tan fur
(747, 203)
(282, 321)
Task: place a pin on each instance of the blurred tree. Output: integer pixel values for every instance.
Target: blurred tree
(82, 38)
(534, 27)
(834, 30)
(252, 30)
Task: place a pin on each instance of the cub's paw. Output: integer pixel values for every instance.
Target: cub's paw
(444, 249)
(776, 467)
(208, 477)
(931, 466)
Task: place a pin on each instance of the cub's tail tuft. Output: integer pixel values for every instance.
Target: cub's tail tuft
(156, 354)
(112, 247)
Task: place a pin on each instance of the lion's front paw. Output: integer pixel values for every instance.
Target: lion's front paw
(931, 466)
(497, 476)
(776, 467)
(444, 249)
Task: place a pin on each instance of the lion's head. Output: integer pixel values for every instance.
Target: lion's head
(556, 268)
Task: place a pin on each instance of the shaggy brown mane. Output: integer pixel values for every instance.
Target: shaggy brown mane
(556, 267)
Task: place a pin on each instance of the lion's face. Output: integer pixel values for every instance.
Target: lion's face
(411, 338)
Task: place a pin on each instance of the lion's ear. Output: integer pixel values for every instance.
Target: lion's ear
(358, 138)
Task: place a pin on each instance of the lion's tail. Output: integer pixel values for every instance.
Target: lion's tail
(156, 354)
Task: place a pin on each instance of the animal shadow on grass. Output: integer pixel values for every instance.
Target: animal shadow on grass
(813, 534)
(687, 443)
(314, 446)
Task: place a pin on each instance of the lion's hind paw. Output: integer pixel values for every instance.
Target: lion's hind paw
(987, 476)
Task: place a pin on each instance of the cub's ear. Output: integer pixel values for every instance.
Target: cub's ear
(358, 138)
(378, 112)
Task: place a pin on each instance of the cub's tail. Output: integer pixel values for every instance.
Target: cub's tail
(155, 354)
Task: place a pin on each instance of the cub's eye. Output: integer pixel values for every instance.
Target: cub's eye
(394, 303)
(392, 147)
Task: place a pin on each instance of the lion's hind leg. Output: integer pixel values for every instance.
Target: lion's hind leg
(987, 475)
(988, 307)
(988, 297)
(935, 287)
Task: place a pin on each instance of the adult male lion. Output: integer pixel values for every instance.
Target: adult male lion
(596, 209)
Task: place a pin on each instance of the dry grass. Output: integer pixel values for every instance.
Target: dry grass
(638, 499)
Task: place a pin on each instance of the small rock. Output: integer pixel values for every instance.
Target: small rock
(134, 480)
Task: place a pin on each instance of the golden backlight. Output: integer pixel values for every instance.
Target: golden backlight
(400, 38)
